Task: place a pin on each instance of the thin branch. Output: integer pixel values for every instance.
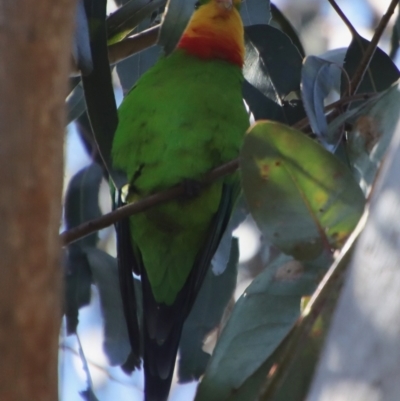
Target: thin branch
(369, 53)
(108, 219)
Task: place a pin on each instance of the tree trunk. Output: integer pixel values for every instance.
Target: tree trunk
(35, 38)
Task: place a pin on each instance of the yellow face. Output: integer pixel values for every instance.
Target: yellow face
(220, 18)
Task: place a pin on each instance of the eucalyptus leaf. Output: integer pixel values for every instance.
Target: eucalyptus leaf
(260, 320)
(264, 108)
(82, 200)
(105, 275)
(78, 279)
(178, 13)
(255, 12)
(374, 126)
(222, 256)
(132, 68)
(123, 21)
(81, 44)
(303, 199)
(81, 205)
(316, 84)
(381, 72)
(272, 70)
(273, 64)
(76, 104)
(281, 22)
(214, 295)
(99, 91)
(336, 57)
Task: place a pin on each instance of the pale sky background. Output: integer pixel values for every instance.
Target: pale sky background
(109, 383)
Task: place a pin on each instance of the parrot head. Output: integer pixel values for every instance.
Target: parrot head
(215, 31)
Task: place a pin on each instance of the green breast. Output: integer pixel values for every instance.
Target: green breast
(184, 117)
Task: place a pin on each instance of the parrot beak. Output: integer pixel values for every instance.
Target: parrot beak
(225, 4)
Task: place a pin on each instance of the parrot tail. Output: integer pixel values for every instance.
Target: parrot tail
(163, 324)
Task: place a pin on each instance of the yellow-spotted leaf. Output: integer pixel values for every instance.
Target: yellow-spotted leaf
(303, 199)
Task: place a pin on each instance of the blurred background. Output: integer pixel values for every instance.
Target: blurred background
(320, 30)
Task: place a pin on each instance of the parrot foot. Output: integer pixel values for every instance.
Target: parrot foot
(192, 188)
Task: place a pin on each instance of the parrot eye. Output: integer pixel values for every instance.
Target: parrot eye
(197, 5)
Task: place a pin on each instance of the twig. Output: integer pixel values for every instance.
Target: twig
(108, 219)
(369, 53)
(305, 122)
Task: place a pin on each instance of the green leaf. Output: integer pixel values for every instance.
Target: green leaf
(81, 45)
(174, 22)
(105, 275)
(75, 103)
(296, 358)
(123, 21)
(255, 12)
(99, 91)
(78, 279)
(214, 295)
(264, 108)
(81, 205)
(273, 70)
(381, 73)
(281, 22)
(303, 199)
(82, 200)
(261, 318)
(300, 368)
(273, 64)
(222, 256)
(336, 57)
(132, 68)
(372, 132)
(316, 84)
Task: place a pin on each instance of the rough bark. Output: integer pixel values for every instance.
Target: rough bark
(361, 359)
(35, 38)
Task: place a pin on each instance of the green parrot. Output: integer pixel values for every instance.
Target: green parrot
(184, 117)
